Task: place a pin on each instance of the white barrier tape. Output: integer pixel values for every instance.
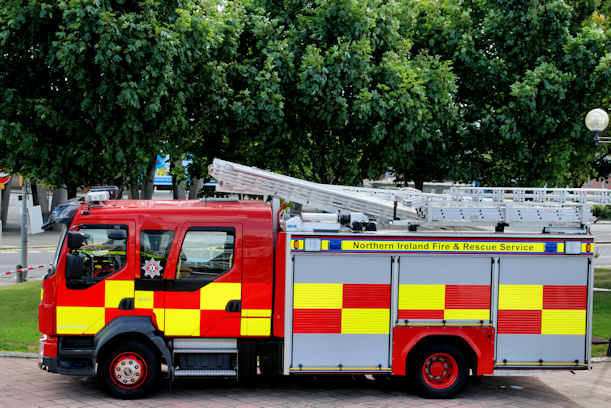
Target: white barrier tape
(5, 274)
(601, 290)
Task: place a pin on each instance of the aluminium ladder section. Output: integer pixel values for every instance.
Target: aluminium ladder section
(236, 178)
(486, 205)
(462, 206)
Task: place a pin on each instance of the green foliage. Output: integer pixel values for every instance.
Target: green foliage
(602, 211)
(326, 90)
(89, 90)
(527, 73)
(329, 90)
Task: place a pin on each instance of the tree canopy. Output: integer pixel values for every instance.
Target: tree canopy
(90, 90)
(334, 91)
(528, 72)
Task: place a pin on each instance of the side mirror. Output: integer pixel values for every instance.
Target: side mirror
(116, 233)
(75, 240)
(74, 267)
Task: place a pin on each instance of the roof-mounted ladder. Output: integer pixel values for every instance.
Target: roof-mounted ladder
(236, 178)
(560, 207)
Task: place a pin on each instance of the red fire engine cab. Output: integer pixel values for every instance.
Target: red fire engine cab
(227, 287)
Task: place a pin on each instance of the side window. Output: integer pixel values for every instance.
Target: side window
(206, 254)
(102, 255)
(155, 247)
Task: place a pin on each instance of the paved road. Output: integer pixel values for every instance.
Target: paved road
(24, 385)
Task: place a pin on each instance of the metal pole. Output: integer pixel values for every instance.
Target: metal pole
(23, 276)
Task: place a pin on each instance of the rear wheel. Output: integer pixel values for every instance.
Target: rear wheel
(129, 370)
(440, 371)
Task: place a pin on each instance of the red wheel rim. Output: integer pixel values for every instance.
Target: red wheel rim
(440, 371)
(128, 370)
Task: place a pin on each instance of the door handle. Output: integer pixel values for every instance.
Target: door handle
(126, 304)
(234, 306)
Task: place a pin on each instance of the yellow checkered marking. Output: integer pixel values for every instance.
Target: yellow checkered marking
(143, 299)
(563, 321)
(182, 322)
(215, 295)
(255, 326)
(318, 296)
(520, 297)
(466, 314)
(256, 312)
(422, 297)
(79, 320)
(365, 321)
(114, 291)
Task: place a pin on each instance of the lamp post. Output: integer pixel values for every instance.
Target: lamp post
(597, 120)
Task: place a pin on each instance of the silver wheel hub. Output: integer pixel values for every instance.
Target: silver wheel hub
(128, 371)
(439, 362)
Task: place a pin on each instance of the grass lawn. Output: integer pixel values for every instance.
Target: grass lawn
(601, 321)
(19, 317)
(19, 309)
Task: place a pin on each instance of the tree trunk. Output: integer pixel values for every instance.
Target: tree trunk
(134, 193)
(149, 186)
(34, 194)
(5, 200)
(419, 185)
(60, 195)
(178, 187)
(71, 189)
(196, 185)
(42, 199)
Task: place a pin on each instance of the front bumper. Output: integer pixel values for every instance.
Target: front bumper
(47, 353)
(59, 355)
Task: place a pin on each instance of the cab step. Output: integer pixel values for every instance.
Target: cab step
(205, 373)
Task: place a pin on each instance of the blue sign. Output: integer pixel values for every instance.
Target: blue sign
(162, 171)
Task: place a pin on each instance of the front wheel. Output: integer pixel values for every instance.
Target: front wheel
(440, 371)
(129, 370)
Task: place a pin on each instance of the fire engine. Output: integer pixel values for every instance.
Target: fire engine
(434, 287)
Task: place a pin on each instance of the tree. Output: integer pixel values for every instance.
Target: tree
(527, 73)
(89, 90)
(326, 90)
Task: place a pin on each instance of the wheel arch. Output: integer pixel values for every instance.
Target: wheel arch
(137, 328)
(477, 344)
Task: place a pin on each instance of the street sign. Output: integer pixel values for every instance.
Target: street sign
(4, 178)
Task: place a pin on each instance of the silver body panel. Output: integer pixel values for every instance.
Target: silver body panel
(339, 351)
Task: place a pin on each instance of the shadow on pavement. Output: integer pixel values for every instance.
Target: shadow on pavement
(334, 390)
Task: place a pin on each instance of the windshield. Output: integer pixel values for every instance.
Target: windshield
(59, 245)
(62, 237)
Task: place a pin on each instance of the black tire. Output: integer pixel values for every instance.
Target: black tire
(129, 370)
(439, 371)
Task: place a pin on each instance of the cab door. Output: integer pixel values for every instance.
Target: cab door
(105, 288)
(203, 291)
